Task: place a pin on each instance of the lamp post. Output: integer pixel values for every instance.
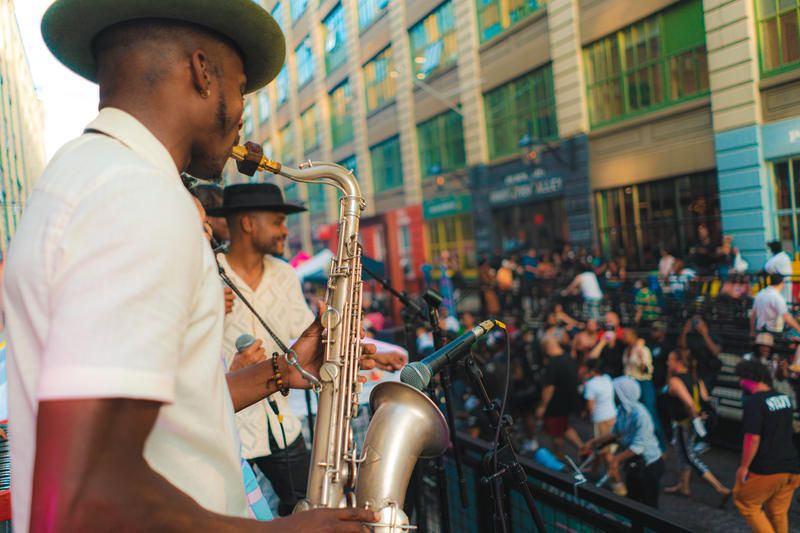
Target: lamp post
(533, 149)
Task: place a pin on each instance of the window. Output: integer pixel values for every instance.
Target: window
(379, 80)
(522, 108)
(263, 106)
(441, 144)
(456, 235)
(282, 83)
(316, 198)
(297, 8)
(369, 10)
(305, 63)
(309, 120)
(277, 14)
(779, 35)
(787, 188)
(433, 41)
(645, 66)
(494, 16)
(350, 164)
(335, 38)
(286, 143)
(640, 218)
(387, 165)
(247, 119)
(341, 102)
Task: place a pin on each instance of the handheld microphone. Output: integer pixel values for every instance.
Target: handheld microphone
(419, 373)
(244, 341)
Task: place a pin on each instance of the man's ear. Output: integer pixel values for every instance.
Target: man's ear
(246, 223)
(200, 68)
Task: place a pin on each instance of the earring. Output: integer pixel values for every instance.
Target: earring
(206, 93)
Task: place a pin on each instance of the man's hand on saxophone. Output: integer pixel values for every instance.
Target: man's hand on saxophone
(310, 352)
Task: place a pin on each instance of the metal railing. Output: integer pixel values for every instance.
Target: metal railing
(563, 505)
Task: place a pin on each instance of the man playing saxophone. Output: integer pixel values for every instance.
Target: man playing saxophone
(121, 411)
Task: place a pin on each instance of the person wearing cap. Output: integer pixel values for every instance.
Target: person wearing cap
(122, 414)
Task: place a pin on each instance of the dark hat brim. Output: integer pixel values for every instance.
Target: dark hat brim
(70, 26)
(287, 209)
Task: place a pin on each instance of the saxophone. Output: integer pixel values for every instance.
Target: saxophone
(405, 423)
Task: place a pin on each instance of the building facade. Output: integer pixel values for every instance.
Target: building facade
(488, 126)
(22, 156)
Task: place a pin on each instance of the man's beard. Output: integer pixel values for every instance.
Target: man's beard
(271, 247)
(202, 165)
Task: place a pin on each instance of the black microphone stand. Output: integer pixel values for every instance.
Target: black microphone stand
(410, 313)
(507, 461)
(434, 300)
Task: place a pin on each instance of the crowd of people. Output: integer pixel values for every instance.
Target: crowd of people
(618, 367)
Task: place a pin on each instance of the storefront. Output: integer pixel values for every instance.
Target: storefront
(638, 219)
(542, 203)
(449, 228)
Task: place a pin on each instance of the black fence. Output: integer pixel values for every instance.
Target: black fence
(563, 505)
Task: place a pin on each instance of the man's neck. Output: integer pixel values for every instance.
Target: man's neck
(246, 262)
(171, 133)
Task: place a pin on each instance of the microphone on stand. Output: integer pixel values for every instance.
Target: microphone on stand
(419, 373)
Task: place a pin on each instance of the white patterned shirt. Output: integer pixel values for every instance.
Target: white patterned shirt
(280, 302)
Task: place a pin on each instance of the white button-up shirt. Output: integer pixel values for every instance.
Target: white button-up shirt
(280, 302)
(111, 291)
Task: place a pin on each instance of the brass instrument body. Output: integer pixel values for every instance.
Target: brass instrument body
(405, 422)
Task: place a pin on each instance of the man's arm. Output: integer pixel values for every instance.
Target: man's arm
(547, 395)
(752, 323)
(750, 446)
(90, 475)
(789, 319)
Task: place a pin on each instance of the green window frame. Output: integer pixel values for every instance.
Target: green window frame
(282, 84)
(496, 16)
(441, 144)
(286, 136)
(645, 67)
(524, 108)
(305, 62)
(316, 198)
(351, 164)
(433, 41)
(341, 105)
(297, 8)
(379, 79)
(778, 35)
(387, 165)
(309, 120)
(786, 179)
(369, 11)
(335, 37)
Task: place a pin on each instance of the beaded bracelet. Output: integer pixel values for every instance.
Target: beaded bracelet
(277, 377)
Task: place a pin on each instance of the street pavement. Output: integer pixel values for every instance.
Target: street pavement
(700, 512)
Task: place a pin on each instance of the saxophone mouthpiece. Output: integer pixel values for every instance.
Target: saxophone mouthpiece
(250, 159)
